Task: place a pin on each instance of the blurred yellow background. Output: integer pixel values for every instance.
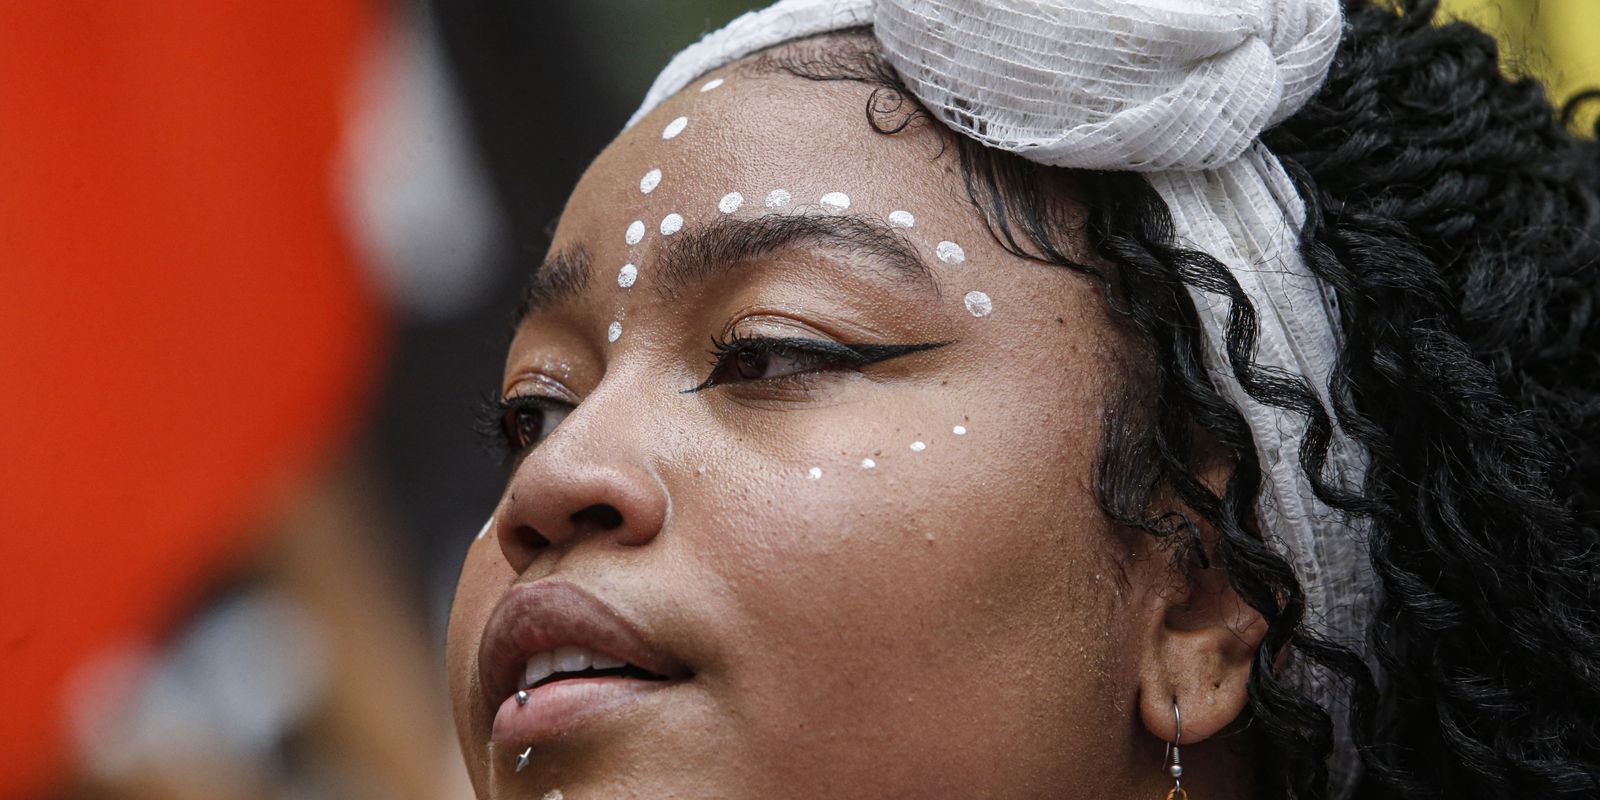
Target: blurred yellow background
(1552, 40)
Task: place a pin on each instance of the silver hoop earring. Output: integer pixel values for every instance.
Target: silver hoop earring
(1175, 769)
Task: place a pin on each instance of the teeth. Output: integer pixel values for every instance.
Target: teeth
(537, 669)
(571, 659)
(565, 659)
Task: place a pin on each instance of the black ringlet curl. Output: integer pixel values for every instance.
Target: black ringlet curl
(1459, 224)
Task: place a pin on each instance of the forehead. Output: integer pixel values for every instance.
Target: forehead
(769, 137)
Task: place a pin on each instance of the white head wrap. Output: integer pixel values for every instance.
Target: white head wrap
(1179, 90)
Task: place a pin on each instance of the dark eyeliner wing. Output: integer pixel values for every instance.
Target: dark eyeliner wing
(851, 355)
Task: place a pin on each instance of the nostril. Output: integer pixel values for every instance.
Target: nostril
(598, 517)
(530, 538)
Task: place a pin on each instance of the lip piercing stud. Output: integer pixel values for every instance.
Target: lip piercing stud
(522, 760)
(522, 697)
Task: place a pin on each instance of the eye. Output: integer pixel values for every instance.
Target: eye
(768, 361)
(526, 421)
(750, 359)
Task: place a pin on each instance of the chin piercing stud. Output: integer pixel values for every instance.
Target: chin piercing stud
(522, 697)
(522, 760)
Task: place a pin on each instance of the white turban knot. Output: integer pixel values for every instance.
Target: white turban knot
(1112, 84)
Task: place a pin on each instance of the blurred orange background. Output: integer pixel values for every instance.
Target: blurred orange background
(183, 330)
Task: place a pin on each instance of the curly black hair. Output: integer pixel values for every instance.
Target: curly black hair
(1459, 225)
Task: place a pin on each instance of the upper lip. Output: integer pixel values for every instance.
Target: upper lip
(546, 614)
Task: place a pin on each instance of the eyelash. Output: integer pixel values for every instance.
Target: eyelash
(500, 418)
(499, 421)
(822, 355)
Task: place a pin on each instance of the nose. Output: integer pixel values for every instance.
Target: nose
(573, 488)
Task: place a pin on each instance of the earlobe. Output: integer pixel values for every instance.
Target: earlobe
(1201, 654)
(1202, 637)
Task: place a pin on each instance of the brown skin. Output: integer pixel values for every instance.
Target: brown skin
(958, 622)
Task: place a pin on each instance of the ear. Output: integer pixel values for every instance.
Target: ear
(1202, 641)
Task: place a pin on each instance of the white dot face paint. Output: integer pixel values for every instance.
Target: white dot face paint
(614, 332)
(627, 275)
(711, 84)
(917, 447)
(778, 197)
(485, 530)
(950, 253)
(553, 794)
(959, 430)
(815, 473)
(979, 304)
(674, 128)
(671, 223)
(650, 181)
(901, 219)
(635, 233)
(730, 202)
(836, 201)
(867, 463)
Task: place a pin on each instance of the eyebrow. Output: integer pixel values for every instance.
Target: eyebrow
(562, 276)
(708, 251)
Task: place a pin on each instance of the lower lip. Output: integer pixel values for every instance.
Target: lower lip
(559, 707)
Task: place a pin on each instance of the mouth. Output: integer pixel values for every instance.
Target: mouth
(554, 656)
(571, 662)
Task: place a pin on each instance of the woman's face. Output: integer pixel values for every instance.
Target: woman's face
(792, 461)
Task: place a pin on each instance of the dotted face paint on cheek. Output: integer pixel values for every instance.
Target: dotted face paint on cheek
(836, 201)
(650, 181)
(671, 223)
(627, 275)
(635, 232)
(901, 219)
(950, 253)
(979, 304)
(778, 198)
(711, 84)
(614, 332)
(674, 128)
(959, 430)
(867, 463)
(815, 473)
(917, 447)
(730, 202)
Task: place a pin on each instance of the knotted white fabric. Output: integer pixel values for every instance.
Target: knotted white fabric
(1179, 90)
(1111, 84)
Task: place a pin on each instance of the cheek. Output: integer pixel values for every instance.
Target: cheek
(484, 578)
(965, 580)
